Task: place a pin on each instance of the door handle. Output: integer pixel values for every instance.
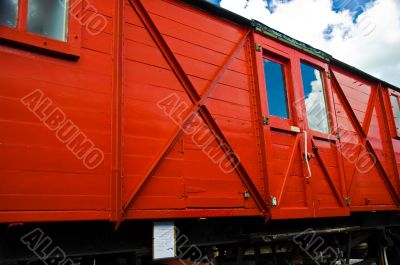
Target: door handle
(307, 157)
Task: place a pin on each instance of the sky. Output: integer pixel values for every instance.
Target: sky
(362, 33)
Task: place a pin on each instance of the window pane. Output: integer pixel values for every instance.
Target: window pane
(396, 110)
(276, 89)
(48, 18)
(8, 13)
(317, 115)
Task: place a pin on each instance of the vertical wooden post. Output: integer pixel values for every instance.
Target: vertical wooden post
(117, 116)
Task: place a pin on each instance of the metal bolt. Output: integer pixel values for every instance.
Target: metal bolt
(265, 120)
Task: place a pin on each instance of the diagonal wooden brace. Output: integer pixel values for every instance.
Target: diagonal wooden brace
(363, 135)
(198, 106)
(289, 168)
(326, 173)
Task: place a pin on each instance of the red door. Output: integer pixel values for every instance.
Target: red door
(303, 162)
(322, 154)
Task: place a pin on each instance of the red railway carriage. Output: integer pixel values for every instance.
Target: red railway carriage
(166, 109)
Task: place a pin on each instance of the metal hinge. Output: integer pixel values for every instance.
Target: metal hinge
(328, 74)
(348, 201)
(274, 202)
(258, 47)
(265, 120)
(338, 135)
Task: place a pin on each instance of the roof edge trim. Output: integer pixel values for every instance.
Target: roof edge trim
(275, 34)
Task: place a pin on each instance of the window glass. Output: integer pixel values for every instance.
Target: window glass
(8, 13)
(315, 101)
(396, 110)
(48, 18)
(276, 89)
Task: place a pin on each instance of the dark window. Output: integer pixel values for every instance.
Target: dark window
(8, 13)
(48, 18)
(315, 100)
(276, 89)
(396, 111)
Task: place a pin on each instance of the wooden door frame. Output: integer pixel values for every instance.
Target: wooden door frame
(267, 48)
(340, 193)
(294, 87)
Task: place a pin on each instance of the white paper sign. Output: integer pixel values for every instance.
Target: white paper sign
(164, 245)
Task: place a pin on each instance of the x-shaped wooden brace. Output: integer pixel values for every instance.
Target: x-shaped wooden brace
(198, 107)
(363, 132)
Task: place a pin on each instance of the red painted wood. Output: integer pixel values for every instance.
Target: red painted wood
(212, 67)
(297, 197)
(368, 144)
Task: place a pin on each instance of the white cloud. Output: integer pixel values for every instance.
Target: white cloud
(315, 105)
(372, 43)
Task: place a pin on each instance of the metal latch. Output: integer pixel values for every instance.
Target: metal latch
(295, 129)
(309, 156)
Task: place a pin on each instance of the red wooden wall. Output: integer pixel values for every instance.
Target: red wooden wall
(40, 178)
(163, 65)
(186, 178)
(371, 170)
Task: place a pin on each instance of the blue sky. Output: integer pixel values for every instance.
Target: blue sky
(356, 6)
(363, 33)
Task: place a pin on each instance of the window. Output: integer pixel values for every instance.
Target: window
(48, 18)
(44, 24)
(8, 13)
(315, 100)
(44, 17)
(396, 112)
(276, 89)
